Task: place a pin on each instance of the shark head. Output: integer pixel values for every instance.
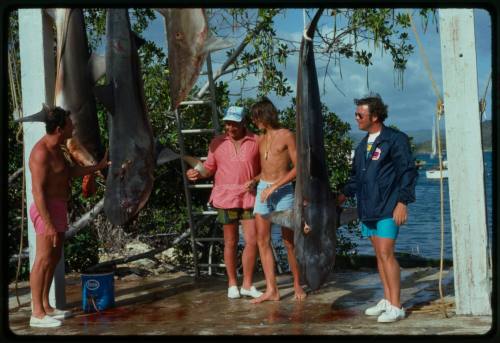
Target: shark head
(317, 237)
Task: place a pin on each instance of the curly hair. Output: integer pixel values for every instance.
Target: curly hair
(56, 117)
(375, 105)
(265, 112)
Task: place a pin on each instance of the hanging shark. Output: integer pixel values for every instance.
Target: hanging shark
(76, 72)
(315, 216)
(131, 146)
(188, 42)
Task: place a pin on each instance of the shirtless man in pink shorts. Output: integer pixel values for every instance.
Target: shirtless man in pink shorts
(51, 175)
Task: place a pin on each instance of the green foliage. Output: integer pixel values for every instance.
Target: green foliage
(81, 251)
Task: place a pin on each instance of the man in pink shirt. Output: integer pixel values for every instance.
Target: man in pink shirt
(234, 161)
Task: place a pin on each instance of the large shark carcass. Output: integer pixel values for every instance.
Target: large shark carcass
(131, 149)
(76, 72)
(315, 216)
(189, 42)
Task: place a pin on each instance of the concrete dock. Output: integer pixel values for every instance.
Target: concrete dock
(177, 304)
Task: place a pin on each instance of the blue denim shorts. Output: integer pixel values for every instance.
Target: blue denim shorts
(280, 200)
(385, 228)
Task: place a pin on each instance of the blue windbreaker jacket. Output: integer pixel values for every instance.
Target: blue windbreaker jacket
(387, 176)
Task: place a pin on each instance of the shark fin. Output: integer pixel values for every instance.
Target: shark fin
(39, 116)
(105, 95)
(97, 66)
(214, 43)
(281, 218)
(166, 155)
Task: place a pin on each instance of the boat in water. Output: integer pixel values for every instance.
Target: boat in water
(435, 173)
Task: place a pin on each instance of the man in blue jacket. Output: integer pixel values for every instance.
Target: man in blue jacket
(383, 180)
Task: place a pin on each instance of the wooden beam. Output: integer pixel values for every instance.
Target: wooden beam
(472, 274)
(36, 46)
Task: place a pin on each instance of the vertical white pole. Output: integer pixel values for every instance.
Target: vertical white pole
(36, 49)
(465, 162)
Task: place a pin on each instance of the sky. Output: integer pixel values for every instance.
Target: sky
(410, 108)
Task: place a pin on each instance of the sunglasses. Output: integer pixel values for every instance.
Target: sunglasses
(359, 115)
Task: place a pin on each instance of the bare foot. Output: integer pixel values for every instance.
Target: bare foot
(300, 294)
(268, 296)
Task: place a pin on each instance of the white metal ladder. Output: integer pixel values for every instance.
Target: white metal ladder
(188, 186)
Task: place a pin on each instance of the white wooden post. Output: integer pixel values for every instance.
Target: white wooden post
(36, 49)
(465, 162)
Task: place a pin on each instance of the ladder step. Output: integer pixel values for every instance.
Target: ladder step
(210, 239)
(202, 185)
(198, 131)
(195, 102)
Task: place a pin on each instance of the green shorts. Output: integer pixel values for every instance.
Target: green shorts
(228, 216)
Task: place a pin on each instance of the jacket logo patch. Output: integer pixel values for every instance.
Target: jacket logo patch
(376, 154)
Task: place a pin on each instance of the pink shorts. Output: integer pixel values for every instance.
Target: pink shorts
(58, 210)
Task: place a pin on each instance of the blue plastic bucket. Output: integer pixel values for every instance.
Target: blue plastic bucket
(98, 291)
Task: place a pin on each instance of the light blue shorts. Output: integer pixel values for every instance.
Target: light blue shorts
(280, 200)
(385, 228)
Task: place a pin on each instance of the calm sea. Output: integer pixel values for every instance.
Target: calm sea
(422, 234)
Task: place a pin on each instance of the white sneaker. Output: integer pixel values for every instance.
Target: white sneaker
(60, 314)
(391, 315)
(383, 305)
(252, 292)
(233, 293)
(45, 322)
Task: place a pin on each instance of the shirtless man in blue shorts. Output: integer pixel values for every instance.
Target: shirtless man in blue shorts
(274, 193)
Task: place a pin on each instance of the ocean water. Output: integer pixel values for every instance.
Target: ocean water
(422, 233)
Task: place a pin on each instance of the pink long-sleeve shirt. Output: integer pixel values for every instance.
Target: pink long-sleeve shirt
(232, 171)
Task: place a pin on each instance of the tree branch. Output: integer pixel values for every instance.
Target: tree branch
(147, 254)
(84, 220)
(232, 58)
(15, 175)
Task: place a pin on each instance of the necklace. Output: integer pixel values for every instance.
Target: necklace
(268, 145)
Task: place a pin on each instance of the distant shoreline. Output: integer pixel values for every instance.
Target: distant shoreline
(428, 152)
